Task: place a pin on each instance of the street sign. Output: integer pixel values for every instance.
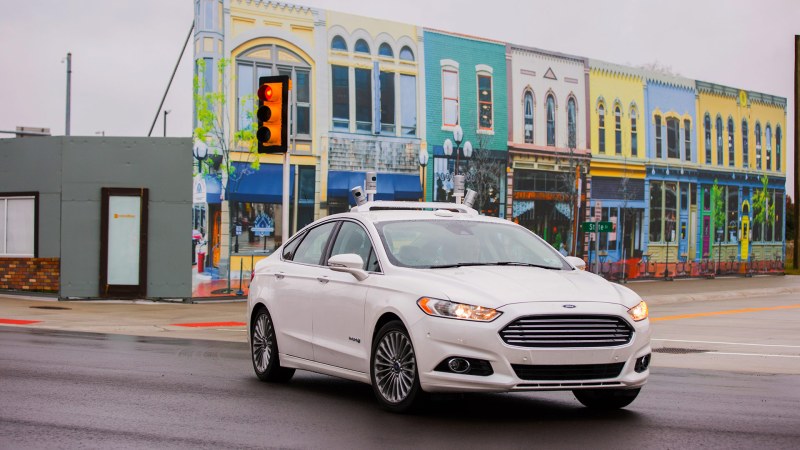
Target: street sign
(605, 227)
(591, 227)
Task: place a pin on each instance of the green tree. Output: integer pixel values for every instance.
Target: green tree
(763, 212)
(718, 215)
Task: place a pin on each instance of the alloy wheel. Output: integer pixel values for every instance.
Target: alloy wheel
(394, 366)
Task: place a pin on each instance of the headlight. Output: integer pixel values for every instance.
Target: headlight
(639, 312)
(444, 308)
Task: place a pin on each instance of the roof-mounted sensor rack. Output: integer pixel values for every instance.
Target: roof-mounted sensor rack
(413, 206)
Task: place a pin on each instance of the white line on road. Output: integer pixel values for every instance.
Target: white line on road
(728, 343)
(753, 354)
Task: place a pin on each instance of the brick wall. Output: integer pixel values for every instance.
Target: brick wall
(30, 274)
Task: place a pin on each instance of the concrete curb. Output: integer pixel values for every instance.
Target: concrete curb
(719, 295)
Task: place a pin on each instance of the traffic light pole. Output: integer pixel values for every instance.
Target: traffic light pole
(285, 205)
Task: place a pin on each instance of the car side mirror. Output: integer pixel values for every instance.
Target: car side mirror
(577, 262)
(348, 263)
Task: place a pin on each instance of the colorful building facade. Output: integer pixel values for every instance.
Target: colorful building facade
(619, 152)
(548, 143)
(466, 86)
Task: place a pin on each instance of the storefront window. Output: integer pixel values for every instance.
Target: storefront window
(733, 215)
(780, 204)
(670, 211)
(656, 202)
(253, 226)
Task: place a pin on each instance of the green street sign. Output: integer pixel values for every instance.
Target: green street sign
(591, 227)
(605, 227)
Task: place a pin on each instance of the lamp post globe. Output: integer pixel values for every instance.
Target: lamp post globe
(458, 135)
(448, 147)
(468, 149)
(423, 157)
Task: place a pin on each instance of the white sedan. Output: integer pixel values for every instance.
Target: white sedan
(414, 298)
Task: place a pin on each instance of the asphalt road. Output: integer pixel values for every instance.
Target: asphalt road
(63, 389)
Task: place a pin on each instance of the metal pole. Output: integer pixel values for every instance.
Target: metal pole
(597, 247)
(69, 91)
(165, 122)
(796, 262)
(285, 203)
(160, 105)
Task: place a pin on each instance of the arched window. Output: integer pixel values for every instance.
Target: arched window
(528, 117)
(406, 54)
(719, 142)
(362, 46)
(731, 147)
(707, 135)
(745, 149)
(768, 138)
(758, 145)
(634, 134)
(385, 50)
(673, 138)
(687, 139)
(659, 145)
(551, 121)
(269, 60)
(572, 132)
(617, 130)
(338, 43)
(601, 128)
(778, 139)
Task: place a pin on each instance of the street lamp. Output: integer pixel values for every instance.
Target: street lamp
(100, 133)
(458, 137)
(423, 162)
(166, 111)
(200, 152)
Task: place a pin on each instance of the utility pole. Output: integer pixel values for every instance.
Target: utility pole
(796, 151)
(69, 89)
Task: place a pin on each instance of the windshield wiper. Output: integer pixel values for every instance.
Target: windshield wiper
(463, 264)
(524, 264)
(499, 263)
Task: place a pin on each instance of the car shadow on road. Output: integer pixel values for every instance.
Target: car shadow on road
(343, 396)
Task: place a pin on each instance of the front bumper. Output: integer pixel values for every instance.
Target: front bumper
(437, 339)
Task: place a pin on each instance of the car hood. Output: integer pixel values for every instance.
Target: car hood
(495, 286)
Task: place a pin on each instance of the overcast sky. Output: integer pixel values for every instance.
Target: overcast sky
(124, 50)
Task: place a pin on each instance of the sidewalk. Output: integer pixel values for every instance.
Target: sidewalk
(226, 321)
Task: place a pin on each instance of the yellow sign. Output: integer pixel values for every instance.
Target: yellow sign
(742, 98)
(745, 239)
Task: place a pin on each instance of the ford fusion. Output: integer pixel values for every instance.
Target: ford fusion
(417, 298)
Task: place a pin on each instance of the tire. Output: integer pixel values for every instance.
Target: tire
(606, 398)
(393, 369)
(264, 350)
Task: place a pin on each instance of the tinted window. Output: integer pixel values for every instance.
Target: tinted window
(289, 250)
(353, 239)
(431, 243)
(313, 246)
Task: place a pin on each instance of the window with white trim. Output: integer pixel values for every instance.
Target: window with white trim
(17, 225)
(551, 121)
(485, 113)
(528, 117)
(450, 96)
(617, 130)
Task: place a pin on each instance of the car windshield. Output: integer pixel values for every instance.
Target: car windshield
(454, 243)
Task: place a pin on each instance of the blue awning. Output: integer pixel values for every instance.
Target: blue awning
(264, 185)
(391, 186)
(213, 189)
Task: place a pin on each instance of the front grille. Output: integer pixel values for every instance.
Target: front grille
(567, 331)
(568, 372)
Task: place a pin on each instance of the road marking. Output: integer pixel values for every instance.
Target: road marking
(719, 313)
(18, 322)
(753, 354)
(209, 324)
(728, 343)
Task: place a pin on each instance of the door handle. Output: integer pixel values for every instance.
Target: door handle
(323, 280)
(279, 276)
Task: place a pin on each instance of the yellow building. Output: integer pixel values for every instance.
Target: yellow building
(741, 140)
(618, 143)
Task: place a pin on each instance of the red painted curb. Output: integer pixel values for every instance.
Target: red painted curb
(18, 322)
(209, 324)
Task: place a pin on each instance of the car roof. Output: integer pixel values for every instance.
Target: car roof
(381, 211)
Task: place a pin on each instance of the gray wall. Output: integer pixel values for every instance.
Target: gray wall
(75, 169)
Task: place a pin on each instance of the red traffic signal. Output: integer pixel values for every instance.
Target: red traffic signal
(272, 115)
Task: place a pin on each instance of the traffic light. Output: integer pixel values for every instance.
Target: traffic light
(272, 116)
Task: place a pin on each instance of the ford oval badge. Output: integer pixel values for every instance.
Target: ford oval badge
(568, 306)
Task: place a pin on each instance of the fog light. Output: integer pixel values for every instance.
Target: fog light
(642, 363)
(458, 365)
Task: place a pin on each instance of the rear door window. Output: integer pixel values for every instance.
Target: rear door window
(312, 248)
